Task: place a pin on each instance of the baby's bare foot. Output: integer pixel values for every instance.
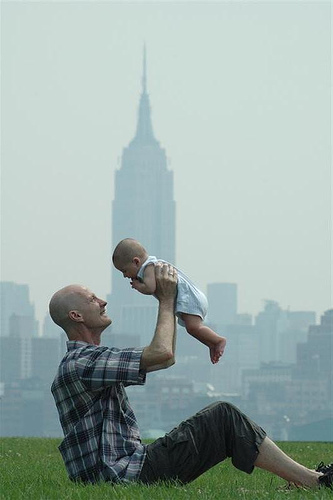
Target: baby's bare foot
(217, 350)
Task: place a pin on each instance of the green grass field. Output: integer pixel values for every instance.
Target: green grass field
(31, 468)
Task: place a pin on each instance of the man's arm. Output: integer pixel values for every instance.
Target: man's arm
(148, 286)
(160, 352)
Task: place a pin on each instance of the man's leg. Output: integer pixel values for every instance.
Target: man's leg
(274, 460)
(209, 437)
(213, 434)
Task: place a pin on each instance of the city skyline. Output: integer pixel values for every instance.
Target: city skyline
(221, 310)
(280, 365)
(257, 186)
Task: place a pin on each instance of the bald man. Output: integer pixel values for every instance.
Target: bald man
(101, 436)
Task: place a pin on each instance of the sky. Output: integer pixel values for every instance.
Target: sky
(240, 95)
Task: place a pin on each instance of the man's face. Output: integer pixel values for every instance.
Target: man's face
(93, 310)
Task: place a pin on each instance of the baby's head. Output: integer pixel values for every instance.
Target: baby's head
(128, 257)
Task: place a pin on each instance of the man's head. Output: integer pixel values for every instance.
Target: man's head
(128, 257)
(76, 309)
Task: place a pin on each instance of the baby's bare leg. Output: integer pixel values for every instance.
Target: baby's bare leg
(195, 327)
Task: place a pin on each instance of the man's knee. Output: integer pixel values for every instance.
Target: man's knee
(226, 406)
(229, 413)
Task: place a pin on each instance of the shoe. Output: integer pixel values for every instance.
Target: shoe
(327, 478)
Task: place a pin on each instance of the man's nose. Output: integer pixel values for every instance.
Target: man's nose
(102, 302)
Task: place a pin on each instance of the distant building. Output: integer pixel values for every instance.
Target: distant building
(15, 358)
(270, 322)
(144, 209)
(280, 331)
(14, 300)
(27, 409)
(320, 430)
(11, 410)
(242, 353)
(296, 332)
(243, 342)
(19, 326)
(165, 402)
(268, 375)
(315, 356)
(23, 326)
(265, 395)
(50, 329)
(222, 299)
(27, 368)
(45, 358)
(295, 401)
(243, 319)
(301, 320)
(313, 374)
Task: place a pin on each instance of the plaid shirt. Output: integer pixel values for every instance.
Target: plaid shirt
(102, 440)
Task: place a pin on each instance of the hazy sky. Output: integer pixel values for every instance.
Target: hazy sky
(240, 95)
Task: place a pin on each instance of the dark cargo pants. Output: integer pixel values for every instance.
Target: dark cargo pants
(219, 431)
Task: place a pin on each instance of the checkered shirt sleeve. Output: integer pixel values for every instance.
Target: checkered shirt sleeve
(100, 367)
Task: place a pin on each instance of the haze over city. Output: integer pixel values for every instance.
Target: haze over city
(240, 96)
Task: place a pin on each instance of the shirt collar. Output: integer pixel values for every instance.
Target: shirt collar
(76, 344)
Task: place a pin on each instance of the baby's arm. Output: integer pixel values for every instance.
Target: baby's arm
(148, 286)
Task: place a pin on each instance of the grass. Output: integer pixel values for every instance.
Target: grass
(32, 469)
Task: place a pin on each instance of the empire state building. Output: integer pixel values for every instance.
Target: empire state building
(144, 209)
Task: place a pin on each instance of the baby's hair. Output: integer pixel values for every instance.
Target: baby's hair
(126, 250)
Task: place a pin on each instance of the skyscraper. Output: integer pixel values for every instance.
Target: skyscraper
(144, 209)
(222, 299)
(14, 300)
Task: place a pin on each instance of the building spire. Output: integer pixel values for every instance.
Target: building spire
(144, 129)
(144, 70)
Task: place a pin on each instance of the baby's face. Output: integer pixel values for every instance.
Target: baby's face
(129, 270)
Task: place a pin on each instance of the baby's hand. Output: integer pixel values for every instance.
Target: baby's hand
(135, 283)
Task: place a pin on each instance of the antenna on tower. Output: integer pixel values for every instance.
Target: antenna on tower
(144, 70)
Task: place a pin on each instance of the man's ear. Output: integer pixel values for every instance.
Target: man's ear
(136, 261)
(75, 316)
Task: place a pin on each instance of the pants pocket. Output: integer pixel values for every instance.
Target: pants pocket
(181, 452)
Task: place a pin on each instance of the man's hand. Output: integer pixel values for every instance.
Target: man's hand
(160, 353)
(166, 281)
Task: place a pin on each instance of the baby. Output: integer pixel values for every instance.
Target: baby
(131, 259)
